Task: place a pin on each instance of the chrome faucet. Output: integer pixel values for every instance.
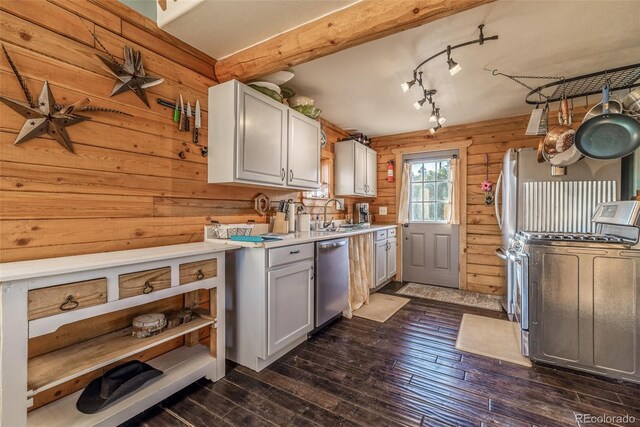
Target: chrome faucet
(339, 206)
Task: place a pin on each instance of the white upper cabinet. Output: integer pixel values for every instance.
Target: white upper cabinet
(371, 188)
(255, 140)
(303, 151)
(355, 169)
(262, 139)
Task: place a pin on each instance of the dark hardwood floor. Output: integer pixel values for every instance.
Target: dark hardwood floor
(403, 372)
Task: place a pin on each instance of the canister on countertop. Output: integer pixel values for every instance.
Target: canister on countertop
(148, 325)
(304, 222)
(291, 211)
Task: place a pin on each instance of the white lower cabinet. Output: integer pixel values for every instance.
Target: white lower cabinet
(385, 256)
(270, 302)
(289, 304)
(391, 258)
(381, 262)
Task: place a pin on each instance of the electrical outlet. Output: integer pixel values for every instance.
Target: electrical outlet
(382, 210)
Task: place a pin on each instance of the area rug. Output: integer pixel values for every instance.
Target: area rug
(453, 296)
(495, 338)
(381, 307)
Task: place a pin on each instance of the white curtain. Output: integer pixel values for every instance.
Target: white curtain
(360, 272)
(454, 179)
(403, 202)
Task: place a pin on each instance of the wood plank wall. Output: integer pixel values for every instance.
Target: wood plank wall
(126, 186)
(485, 272)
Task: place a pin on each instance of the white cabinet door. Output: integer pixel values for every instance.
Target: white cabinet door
(289, 304)
(262, 139)
(372, 173)
(303, 151)
(360, 168)
(391, 258)
(381, 262)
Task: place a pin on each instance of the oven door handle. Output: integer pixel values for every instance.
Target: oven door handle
(501, 254)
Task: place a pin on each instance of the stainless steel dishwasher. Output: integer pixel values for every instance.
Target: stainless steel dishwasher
(332, 280)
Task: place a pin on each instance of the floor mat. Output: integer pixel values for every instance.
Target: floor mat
(381, 307)
(495, 338)
(453, 296)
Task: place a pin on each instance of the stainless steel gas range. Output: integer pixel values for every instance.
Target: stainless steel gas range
(577, 295)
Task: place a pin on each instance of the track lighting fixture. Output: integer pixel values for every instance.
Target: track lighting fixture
(454, 68)
(434, 129)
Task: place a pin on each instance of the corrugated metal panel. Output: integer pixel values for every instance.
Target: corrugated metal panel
(564, 206)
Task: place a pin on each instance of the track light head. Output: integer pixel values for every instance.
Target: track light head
(454, 67)
(418, 104)
(407, 85)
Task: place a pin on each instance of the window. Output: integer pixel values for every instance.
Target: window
(326, 166)
(429, 199)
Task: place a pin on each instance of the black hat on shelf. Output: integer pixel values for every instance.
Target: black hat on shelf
(114, 384)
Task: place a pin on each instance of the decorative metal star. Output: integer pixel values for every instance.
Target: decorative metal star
(44, 118)
(130, 75)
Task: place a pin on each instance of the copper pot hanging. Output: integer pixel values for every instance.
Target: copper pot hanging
(562, 135)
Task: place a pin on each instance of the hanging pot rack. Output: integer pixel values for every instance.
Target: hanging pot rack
(620, 78)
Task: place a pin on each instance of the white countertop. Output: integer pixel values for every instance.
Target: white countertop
(11, 271)
(303, 237)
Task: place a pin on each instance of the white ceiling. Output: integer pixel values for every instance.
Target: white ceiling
(222, 27)
(359, 88)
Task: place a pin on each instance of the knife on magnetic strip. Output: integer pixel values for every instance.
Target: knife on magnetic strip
(197, 122)
(187, 123)
(181, 121)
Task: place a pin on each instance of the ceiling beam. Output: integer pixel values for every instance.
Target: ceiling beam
(365, 21)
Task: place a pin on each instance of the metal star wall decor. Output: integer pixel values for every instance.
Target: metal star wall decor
(45, 115)
(45, 119)
(130, 75)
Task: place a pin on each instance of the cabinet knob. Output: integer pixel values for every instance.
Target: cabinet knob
(294, 252)
(290, 174)
(283, 174)
(69, 304)
(200, 275)
(148, 288)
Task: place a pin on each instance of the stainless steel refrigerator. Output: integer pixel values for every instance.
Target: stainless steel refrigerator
(528, 198)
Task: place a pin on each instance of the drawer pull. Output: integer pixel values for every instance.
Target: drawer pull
(200, 275)
(148, 288)
(69, 304)
(294, 252)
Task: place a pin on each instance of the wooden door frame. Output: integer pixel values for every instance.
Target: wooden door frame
(455, 144)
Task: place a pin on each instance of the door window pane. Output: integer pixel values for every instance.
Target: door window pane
(416, 172)
(416, 212)
(429, 171)
(429, 191)
(416, 192)
(443, 192)
(430, 212)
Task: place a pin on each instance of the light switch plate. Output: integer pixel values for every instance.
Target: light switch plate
(382, 210)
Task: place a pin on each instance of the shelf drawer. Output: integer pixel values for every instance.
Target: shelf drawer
(199, 270)
(289, 254)
(391, 232)
(144, 282)
(72, 296)
(381, 235)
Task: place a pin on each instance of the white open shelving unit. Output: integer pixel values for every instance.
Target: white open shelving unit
(23, 378)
